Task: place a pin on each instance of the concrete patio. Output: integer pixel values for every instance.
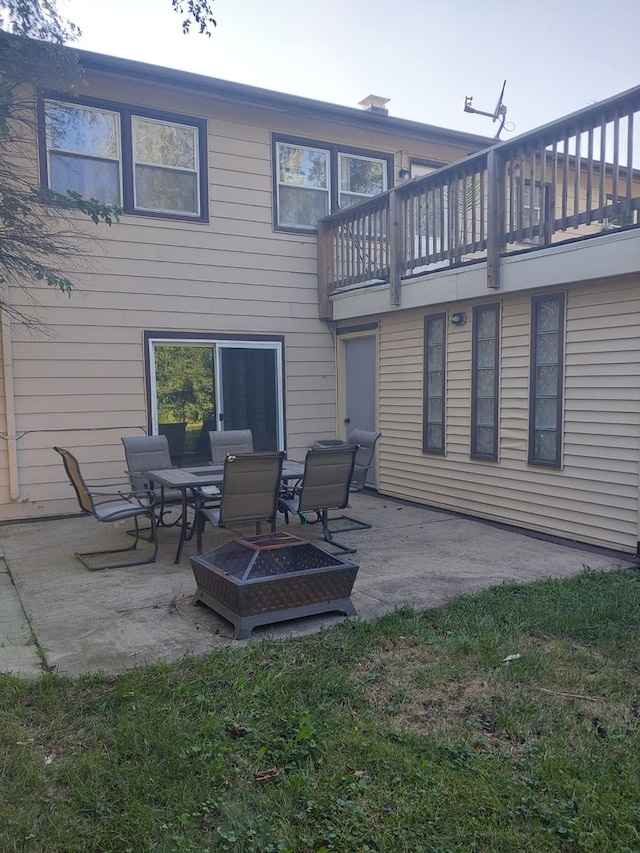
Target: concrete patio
(108, 621)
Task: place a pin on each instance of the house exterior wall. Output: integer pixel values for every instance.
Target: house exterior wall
(80, 382)
(593, 497)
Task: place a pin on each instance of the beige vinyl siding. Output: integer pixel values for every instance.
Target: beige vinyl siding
(594, 496)
(82, 384)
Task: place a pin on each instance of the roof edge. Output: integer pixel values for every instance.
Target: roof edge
(240, 92)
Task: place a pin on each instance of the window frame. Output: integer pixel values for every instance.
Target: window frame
(419, 168)
(442, 386)
(126, 114)
(275, 343)
(561, 299)
(474, 452)
(526, 221)
(334, 150)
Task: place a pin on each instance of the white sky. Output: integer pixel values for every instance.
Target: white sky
(557, 56)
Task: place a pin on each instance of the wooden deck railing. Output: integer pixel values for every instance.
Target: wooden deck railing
(577, 177)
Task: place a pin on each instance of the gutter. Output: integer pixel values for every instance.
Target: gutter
(9, 397)
(239, 92)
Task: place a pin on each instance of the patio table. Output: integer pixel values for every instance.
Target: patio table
(192, 479)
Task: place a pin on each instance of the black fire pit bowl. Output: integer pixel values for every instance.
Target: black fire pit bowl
(265, 579)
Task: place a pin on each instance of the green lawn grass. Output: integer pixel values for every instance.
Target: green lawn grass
(414, 733)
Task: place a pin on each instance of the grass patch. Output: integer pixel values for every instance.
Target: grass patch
(410, 734)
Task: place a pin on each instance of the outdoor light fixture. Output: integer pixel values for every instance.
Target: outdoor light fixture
(458, 319)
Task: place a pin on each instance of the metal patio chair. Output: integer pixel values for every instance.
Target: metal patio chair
(148, 453)
(115, 505)
(224, 442)
(250, 488)
(328, 472)
(176, 434)
(366, 442)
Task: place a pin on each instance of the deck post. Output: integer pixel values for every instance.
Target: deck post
(325, 311)
(396, 227)
(495, 218)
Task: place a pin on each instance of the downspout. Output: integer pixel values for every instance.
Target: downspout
(9, 392)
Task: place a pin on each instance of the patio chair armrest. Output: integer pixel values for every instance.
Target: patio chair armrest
(121, 484)
(202, 495)
(290, 489)
(139, 495)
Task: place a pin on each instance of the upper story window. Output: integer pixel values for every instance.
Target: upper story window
(360, 177)
(150, 164)
(312, 179)
(83, 151)
(304, 176)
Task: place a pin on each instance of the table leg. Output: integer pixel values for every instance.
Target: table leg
(183, 527)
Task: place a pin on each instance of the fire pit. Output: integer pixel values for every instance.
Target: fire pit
(271, 578)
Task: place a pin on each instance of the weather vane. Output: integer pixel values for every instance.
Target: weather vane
(500, 111)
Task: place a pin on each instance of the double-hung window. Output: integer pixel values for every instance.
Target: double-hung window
(303, 185)
(546, 382)
(149, 163)
(360, 178)
(485, 382)
(311, 179)
(84, 152)
(435, 340)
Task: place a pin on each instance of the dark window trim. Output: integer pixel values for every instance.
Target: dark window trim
(560, 298)
(362, 327)
(493, 456)
(126, 112)
(334, 149)
(430, 164)
(443, 385)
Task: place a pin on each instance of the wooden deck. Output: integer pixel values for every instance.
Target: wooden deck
(576, 178)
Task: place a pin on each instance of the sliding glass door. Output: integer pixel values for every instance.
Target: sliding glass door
(247, 392)
(201, 385)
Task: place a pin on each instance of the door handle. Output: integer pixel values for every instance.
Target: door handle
(347, 420)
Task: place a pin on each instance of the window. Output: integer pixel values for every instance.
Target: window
(303, 185)
(165, 167)
(360, 177)
(429, 219)
(435, 340)
(312, 179)
(531, 205)
(546, 380)
(83, 151)
(484, 382)
(531, 211)
(148, 164)
(199, 383)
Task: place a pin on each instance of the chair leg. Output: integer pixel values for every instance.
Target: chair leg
(354, 524)
(161, 511)
(85, 555)
(345, 549)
